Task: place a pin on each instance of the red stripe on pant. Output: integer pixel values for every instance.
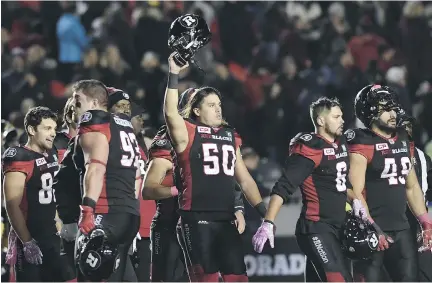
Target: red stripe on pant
(334, 277)
(196, 274)
(235, 278)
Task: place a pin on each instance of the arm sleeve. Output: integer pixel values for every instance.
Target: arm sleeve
(95, 121)
(160, 148)
(312, 154)
(15, 160)
(297, 169)
(238, 199)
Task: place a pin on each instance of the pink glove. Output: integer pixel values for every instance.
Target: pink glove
(359, 210)
(426, 224)
(265, 232)
(11, 255)
(32, 253)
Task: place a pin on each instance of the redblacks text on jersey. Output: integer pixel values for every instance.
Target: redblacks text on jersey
(205, 170)
(118, 191)
(38, 203)
(389, 162)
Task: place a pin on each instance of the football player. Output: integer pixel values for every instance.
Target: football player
(318, 163)
(383, 179)
(119, 103)
(422, 165)
(207, 167)
(167, 258)
(67, 187)
(29, 170)
(106, 154)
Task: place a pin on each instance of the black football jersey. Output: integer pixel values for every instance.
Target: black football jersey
(61, 142)
(389, 162)
(166, 209)
(118, 191)
(38, 203)
(324, 190)
(67, 187)
(204, 172)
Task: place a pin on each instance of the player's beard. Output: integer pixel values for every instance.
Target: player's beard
(385, 127)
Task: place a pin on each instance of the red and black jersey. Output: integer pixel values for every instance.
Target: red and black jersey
(389, 162)
(204, 172)
(118, 191)
(320, 169)
(38, 203)
(68, 189)
(61, 142)
(147, 207)
(166, 209)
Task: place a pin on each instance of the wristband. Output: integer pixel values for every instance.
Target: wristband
(173, 80)
(262, 210)
(239, 208)
(423, 218)
(174, 191)
(269, 221)
(89, 202)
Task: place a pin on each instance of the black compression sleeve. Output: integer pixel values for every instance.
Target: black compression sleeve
(238, 199)
(297, 169)
(173, 80)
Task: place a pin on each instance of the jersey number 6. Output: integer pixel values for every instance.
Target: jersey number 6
(341, 168)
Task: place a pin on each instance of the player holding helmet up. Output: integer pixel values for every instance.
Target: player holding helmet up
(318, 163)
(383, 179)
(208, 164)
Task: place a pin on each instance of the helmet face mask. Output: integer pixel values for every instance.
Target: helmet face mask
(372, 101)
(187, 34)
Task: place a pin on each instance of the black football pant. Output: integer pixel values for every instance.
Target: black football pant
(142, 268)
(211, 247)
(325, 261)
(120, 229)
(167, 260)
(54, 267)
(67, 251)
(399, 260)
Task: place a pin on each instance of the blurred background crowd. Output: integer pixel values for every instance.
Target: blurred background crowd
(269, 59)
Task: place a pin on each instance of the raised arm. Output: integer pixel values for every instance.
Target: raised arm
(175, 123)
(152, 188)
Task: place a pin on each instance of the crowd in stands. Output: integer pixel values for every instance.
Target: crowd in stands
(269, 59)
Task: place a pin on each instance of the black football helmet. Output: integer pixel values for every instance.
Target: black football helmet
(371, 100)
(187, 34)
(359, 240)
(97, 258)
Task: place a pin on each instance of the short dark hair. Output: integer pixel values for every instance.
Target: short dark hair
(94, 89)
(35, 116)
(320, 105)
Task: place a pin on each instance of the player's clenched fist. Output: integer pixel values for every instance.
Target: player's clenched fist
(265, 232)
(86, 221)
(426, 224)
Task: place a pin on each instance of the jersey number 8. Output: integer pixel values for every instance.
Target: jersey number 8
(47, 193)
(130, 146)
(210, 151)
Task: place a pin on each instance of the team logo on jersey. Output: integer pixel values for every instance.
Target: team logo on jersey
(205, 130)
(350, 134)
(86, 117)
(161, 142)
(306, 137)
(335, 145)
(229, 134)
(10, 152)
(404, 143)
(125, 95)
(381, 146)
(329, 151)
(391, 141)
(344, 148)
(40, 161)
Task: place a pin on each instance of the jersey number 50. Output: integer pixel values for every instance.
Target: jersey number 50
(210, 151)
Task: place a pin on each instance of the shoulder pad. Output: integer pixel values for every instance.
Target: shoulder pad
(359, 136)
(94, 117)
(309, 139)
(160, 144)
(16, 153)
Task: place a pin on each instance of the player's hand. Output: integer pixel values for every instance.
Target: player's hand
(133, 248)
(426, 235)
(69, 232)
(359, 210)
(32, 252)
(265, 232)
(174, 68)
(86, 221)
(384, 240)
(240, 221)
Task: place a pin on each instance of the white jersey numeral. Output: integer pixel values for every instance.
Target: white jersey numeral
(390, 171)
(210, 151)
(47, 193)
(341, 168)
(131, 149)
